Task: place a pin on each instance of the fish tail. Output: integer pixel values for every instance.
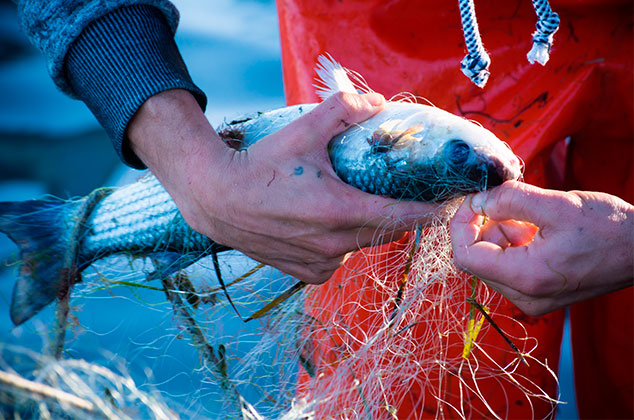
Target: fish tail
(47, 233)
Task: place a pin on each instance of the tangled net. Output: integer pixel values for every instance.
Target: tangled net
(402, 335)
(399, 333)
(37, 386)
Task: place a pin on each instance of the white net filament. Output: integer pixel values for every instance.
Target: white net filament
(385, 339)
(394, 335)
(393, 332)
(72, 389)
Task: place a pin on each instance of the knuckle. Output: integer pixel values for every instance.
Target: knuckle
(532, 308)
(192, 221)
(513, 192)
(513, 198)
(575, 200)
(333, 250)
(325, 274)
(345, 100)
(535, 286)
(523, 306)
(310, 278)
(348, 105)
(332, 219)
(320, 272)
(318, 276)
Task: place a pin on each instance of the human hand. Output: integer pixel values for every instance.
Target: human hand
(279, 201)
(575, 245)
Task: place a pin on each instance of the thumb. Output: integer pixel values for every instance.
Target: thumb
(336, 114)
(514, 200)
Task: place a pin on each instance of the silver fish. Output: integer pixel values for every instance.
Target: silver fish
(407, 151)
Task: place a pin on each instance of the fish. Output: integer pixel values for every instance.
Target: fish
(407, 151)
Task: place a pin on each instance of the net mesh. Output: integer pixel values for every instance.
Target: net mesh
(396, 334)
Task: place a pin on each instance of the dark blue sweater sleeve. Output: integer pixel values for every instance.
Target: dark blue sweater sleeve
(118, 62)
(111, 54)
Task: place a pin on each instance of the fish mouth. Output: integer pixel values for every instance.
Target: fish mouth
(498, 172)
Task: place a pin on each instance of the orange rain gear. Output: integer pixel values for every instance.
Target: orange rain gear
(570, 121)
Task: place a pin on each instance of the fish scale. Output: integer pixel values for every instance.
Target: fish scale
(141, 217)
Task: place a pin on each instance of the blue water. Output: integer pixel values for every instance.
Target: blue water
(232, 51)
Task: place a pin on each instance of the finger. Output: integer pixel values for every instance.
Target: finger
(492, 232)
(508, 232)
(530, 305)
(314, 249)
(374, 211)
(334, 115)
(490, 261)
(465, 226)
(516, 200)
(339, 243)
(313, 273)
(369, 237)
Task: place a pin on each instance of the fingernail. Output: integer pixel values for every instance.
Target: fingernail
(477, 201)
(375, 99)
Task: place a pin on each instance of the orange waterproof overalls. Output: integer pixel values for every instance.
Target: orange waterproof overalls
(583, 94)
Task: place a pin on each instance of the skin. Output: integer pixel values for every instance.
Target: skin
(545, 249)
(279, 201)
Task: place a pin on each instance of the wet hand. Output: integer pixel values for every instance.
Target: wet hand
(545, 249)
(279, 201)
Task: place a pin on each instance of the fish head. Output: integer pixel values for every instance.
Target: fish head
(469, 157)
(426, 154)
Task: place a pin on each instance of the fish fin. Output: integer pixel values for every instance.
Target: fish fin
(332, 78)
(168, 263)
(47, 233)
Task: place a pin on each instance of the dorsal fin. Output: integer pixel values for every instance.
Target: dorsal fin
(332, 77)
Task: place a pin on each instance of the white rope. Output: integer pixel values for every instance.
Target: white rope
(476, 64)
(547, 25)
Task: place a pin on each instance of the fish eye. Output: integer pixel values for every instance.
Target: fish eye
(458, 152)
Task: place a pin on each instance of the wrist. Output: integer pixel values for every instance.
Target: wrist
(170, 133)
(612, 221)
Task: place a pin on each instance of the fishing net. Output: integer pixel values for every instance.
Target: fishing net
(398, 333)
(37, 386)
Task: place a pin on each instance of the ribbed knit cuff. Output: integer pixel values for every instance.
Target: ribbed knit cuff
(121, 60)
